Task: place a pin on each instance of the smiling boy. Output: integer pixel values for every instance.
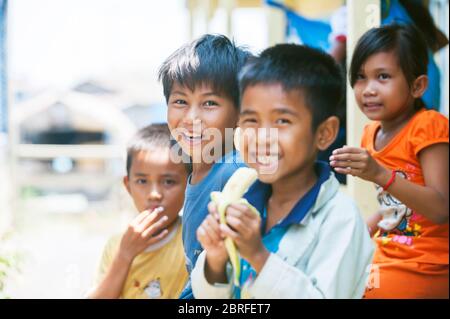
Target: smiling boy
(202, 93)
(309, 240)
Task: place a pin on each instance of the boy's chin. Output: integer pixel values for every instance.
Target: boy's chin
(374, 117)
(266, 173)
(187, 149)
(267, 177)
(190, 151)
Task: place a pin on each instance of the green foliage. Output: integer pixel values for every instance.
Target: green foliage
(9, 263)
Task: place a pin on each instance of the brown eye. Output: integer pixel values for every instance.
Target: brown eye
(169, 182)
(248, 121)
(211, 103)
(384, 76)
(282, 121)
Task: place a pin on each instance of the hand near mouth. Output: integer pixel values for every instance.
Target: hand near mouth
(146, 229)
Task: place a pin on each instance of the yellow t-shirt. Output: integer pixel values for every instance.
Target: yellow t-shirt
(158, 272)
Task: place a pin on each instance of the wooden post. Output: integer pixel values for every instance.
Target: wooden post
(362, 15)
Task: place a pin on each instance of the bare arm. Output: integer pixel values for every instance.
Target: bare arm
(372, 223)
(139, 235)
(212, 242)
(430, 200)
(215, 273)
(112, 284)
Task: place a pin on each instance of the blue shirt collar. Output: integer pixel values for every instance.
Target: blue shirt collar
(259, 194)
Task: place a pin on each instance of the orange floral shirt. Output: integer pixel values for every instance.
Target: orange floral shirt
(406, 234)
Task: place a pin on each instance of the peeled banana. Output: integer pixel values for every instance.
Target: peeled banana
(232, 193)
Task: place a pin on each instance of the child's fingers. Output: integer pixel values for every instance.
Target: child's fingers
(214, 224)
(239, 207)
(347, 164)
(203, 237)
(212, 229)
(200, 234)
(212, 208)
(140, 217)
(347, 149)
(227, 232)
(157, 238)
(241, 212)
(150, 219)
(354, 157)
(348, 171)
(238, 224)
(153, 227)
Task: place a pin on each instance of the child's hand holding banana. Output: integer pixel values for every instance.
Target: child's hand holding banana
(238, 213)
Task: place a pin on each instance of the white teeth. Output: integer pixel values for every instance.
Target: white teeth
(193, 137)
(266, 160)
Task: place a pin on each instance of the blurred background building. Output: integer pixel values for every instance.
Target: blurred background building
(79, 77)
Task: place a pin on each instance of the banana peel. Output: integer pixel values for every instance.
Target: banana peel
(232, 193)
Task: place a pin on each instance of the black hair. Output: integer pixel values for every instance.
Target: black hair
(298, 67)
(150, 138)
(407, 43)
(422, 18)
(211, 59)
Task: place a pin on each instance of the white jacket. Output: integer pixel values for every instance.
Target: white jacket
(327, 255)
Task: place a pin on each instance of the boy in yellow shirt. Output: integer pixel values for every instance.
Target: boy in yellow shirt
(147, 261)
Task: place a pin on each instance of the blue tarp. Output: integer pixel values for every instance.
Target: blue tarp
(313, 33)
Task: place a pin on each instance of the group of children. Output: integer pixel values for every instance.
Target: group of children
(308, 240)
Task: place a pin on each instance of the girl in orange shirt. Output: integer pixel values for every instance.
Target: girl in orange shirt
(405, 153)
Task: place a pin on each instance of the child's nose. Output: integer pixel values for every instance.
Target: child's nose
(154, 194)
(266, 143)
(370, 90)
(267, 136)
(192, 115)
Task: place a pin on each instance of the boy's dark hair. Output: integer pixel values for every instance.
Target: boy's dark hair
(211, 59)
(149, 138)
(298, 67)
(404, 40)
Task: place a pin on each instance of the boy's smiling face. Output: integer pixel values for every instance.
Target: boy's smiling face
(156, 181)
(293, 148)
(198, 118)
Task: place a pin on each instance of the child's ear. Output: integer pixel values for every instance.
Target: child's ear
(126, 183)
(419, 87)
(326, 132)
